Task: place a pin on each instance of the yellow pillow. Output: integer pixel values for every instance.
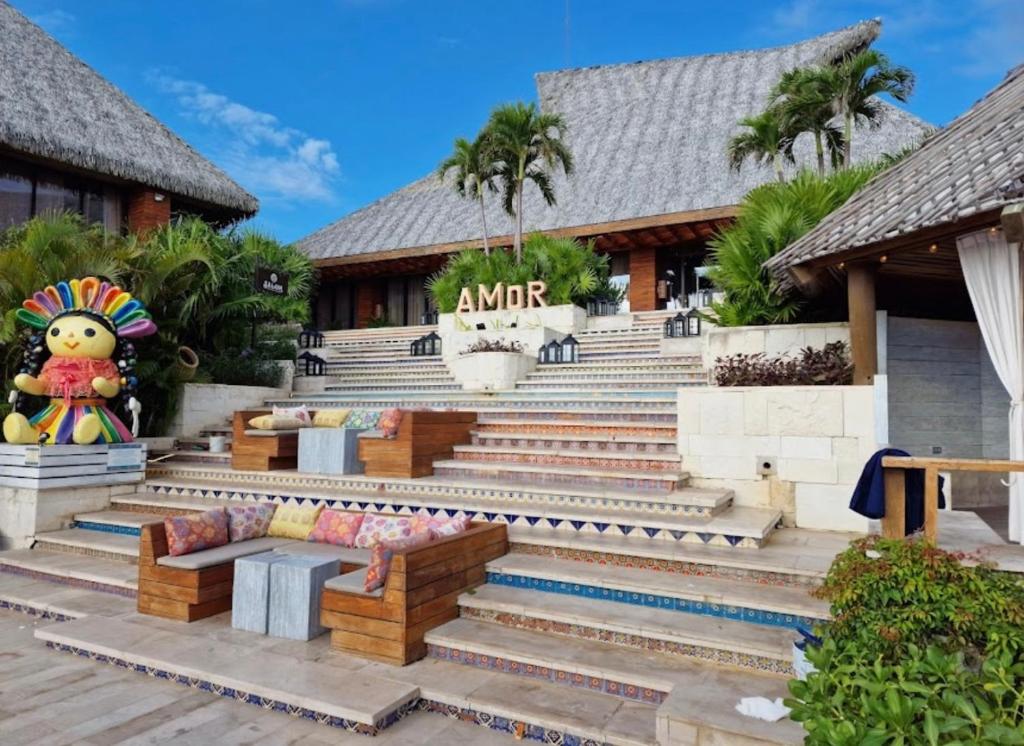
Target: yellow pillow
(276, 422)
(330, 417)
(291, 522)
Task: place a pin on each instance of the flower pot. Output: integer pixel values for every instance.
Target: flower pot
(188, 363)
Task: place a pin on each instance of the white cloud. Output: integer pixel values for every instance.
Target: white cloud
(57, 21)
(269, 158)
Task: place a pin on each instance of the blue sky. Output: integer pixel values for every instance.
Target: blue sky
(321, 107)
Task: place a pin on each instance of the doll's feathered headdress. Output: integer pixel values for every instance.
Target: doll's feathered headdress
(126, 316)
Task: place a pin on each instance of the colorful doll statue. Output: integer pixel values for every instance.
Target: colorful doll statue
(83, 325)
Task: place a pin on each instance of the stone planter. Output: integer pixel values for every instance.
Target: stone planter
(533, 328)
(491, 371)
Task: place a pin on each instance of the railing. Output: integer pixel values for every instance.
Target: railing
(894, 522)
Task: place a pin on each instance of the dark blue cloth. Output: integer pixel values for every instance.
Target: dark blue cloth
(869, 494)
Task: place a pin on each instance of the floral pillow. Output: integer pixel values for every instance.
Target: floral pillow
(450, 527)
(363, 418)
(300, 413)
(193, 533)
(389, 422)
(383, 528)
(336, 527)
(249, 521)
(384, 551)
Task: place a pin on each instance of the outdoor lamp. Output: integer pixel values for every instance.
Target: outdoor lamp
(550, 353)
(693, 323)
(416, 348)
(432, 344)
(676, 326)
(570, 350)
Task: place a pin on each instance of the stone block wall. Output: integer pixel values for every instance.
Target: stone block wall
(811, 442)
(204, 404)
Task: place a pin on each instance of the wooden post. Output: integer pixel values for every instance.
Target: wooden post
(860, 288)
(894, 523)
(643, 279)
(931, 504)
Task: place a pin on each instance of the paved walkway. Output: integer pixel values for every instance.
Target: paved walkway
(54, 698)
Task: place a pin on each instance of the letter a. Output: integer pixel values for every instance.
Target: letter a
(465, 302)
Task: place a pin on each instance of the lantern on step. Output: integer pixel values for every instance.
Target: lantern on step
(432, 344)
(693, 323)
(550, 353)
(429, 317)
(416, 348)
(676, 326)
(570, 350)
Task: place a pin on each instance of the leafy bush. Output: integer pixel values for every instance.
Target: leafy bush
(572, 270)
(922, 649)
(379, 322)
(242, 368)
(492, 345)
(829, 366)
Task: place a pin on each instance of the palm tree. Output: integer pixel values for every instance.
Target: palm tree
(528, 144)
(855, 84)
(802, 98)
(766, 141)
(475, 169)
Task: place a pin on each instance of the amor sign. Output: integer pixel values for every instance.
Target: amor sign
(502, 298)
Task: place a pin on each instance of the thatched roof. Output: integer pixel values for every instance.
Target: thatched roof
(54, 106)
(649, 138)
(973, 166)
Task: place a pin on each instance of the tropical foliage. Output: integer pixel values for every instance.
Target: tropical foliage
(572, 270)
(475, 169)
(196, 282)
(923, 649)
(768, 139)
(771, 217)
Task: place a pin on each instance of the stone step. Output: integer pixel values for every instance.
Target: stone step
(179, 455)
(554, 385)
(93, 573)
(689, 692)
(41, 597)
(579, 443)
(351, 700)
(619, 374)
(720, 641)
(608, 404)
(202, 442)
(126, 523)
(578, 427)
(620, 478)
(719, 597)
(372, 374)
(90, 543)
(688, 362)
(597, 459)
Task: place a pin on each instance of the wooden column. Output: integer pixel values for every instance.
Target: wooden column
(643, 280)
(860, 289)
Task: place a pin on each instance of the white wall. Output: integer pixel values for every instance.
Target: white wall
(773, 341)
(816, 437)
(204, 404)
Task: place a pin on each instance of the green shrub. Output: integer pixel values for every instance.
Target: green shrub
(922, 649)
(242, 368)
(574, 273)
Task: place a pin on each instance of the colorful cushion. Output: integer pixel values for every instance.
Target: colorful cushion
(193, 533)
(383, 528)
(330, 417)
(292, 522)
(384, 551)
(275, 422)
(337, 527)
(363, 418)
(249, 521)
(300, 413)
(450, 527)
(389, 421)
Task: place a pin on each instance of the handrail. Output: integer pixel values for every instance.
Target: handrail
(895, 467)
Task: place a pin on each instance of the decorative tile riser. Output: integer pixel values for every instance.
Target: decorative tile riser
(610, 385)
(90, 585)
(238, 695)
(107, 528)
(581, 408)
(33, 611)
(581, 480)
(595, 461)
(518, 518)
(639, 642)
(421, 491)
(85, 552)
(577, 444)
(761, 577)
(518, 729)
(545, 673)
(601, 378)
(653, 601)
(556, 412)
(581, 431)
(395, 387)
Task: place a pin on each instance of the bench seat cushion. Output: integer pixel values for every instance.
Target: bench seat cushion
(269, 433)
(353, 582)
(347, 555)
(221, 555)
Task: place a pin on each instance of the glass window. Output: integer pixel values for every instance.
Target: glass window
(53, 196)
(15, 198)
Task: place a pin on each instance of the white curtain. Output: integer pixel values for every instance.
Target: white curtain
(992, 268)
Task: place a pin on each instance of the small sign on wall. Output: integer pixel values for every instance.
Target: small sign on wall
(271, 281)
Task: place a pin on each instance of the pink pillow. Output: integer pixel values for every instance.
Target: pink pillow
(383, 552)
(384, 527)
(449, 528)
(192, 533)
(389, 422)
(249, 521)
(336, 527)
(301, 413)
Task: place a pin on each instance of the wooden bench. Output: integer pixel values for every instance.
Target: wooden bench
(278, 449)
(421, 592)
(423, 437)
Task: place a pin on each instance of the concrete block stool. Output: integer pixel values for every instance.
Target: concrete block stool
(329, 450)
(250, 596)
(295, 586)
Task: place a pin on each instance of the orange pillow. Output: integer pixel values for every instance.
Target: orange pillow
(389, 422)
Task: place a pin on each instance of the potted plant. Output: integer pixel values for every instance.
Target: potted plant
(492, 365)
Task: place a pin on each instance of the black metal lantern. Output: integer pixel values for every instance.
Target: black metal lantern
(416, 348)
(676, 326)
(428, 318)
(570, 350)
(693, 323)
(314, 365)
(550, 353)
(432, 344)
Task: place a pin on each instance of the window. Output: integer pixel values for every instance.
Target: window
(26, 191)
